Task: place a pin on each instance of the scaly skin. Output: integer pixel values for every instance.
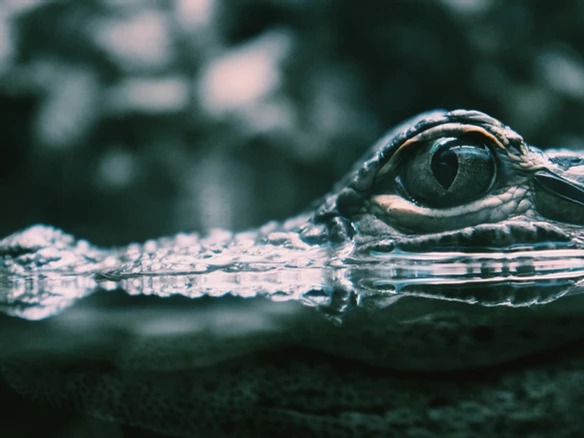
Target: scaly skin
(439, 268)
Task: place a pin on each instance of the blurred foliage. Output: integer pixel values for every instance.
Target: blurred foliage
(124, 120)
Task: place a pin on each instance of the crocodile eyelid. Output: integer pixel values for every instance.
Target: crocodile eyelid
(451, 129)
(444, 130)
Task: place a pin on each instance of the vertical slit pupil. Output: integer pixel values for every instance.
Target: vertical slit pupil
(445, 167)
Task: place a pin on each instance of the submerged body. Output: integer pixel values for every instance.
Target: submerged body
(412, 294)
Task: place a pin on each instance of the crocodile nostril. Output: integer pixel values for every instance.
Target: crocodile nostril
(559, 199)
(561, 187)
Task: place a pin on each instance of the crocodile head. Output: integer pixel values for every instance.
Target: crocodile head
(460, 180)
(464, 198)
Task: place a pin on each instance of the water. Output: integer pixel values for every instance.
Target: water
(45, 270)
(118, 333)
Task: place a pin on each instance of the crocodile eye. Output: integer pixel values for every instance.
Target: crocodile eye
(448, 172)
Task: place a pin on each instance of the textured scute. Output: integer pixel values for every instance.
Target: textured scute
(297, 394)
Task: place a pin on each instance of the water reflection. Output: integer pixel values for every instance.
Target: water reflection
(45, 271)
(180, 321)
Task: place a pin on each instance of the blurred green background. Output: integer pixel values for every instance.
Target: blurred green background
(129, 119)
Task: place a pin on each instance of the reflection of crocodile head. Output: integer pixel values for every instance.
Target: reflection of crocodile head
(452, 245)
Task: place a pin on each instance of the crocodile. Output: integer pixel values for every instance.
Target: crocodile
(437, 290)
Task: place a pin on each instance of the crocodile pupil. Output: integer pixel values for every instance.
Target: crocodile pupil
(448, 172)
(445, 167)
